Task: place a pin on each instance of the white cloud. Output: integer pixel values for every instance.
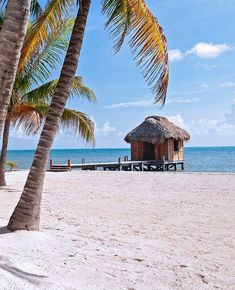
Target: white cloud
(106, 128)
(230, 116)
(149, 103)
(208, 50)
(206, 126)
(20, 134)
(144, 103)
(204, 86)
(182, 101)
(227, 85)
(175, 55)
(205, 66)
(178, 120)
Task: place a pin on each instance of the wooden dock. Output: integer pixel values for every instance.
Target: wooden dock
(120, 165)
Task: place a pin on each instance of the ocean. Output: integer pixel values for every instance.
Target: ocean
(197, 159)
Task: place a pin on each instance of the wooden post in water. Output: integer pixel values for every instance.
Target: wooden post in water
(119, 164)
(69, 163)
(51, 163)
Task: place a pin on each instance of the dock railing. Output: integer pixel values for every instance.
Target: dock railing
(122, 164)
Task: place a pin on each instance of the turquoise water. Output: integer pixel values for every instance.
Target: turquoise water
(199, 159)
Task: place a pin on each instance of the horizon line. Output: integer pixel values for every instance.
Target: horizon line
(124, 148)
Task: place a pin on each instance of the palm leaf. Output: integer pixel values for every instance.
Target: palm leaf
(147, 41)
(2, 17)
(74, 121)
(35, 8)
(80, 123)
(3, 4)
(40, 67)
(45, 92)
(39, 31)
(27, 117)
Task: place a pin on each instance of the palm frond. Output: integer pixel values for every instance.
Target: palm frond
(45, 92)
(3, 4)
(39, 31)
(74, 121)
(80, 123)
(27, 117)
(80, 90)
(2, 17)
(35, 8)
(40, 67)
(147, 41)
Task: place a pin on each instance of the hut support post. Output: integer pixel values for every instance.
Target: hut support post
(163, 163)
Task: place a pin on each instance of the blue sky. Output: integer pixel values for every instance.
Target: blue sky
(201, 94)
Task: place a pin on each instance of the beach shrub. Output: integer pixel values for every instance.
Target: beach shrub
(11, 164)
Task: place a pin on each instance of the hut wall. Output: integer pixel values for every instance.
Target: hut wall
(136, 151)
(179, 155)
(161, 150)
(165, 149)
(181, 150)
(170, 149)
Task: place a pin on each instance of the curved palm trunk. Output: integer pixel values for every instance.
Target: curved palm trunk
(4, 151)
(11, 40)
(27, 212)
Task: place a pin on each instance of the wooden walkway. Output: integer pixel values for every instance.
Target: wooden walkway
(126, 165)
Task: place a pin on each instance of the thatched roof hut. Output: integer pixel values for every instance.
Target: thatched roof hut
(165, 137)
(156, 130)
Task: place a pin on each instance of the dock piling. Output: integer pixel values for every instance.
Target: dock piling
(147, 165)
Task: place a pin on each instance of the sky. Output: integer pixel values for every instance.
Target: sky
(201, 93)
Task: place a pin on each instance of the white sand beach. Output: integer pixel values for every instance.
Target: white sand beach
(119, 230)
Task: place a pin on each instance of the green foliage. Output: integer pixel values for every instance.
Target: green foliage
(32, 92)
(147, 41)
(11, 164)
(44, 92)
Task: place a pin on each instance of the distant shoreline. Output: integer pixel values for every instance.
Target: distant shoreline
(121, 148)
(196, 159)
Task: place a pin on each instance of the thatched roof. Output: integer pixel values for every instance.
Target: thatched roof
(156, 130)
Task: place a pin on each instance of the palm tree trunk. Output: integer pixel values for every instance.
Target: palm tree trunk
(4, 151)
(26, 215)
(11, 40)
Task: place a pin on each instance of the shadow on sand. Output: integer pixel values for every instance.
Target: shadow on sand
(6, 265)
(26, 276)
(4, 230)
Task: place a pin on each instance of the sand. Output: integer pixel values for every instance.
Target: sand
(119, 230)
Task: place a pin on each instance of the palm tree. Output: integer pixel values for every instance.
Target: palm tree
(29, 105)
(11, 40)
(125, 17)
(27, 110)
(12, 36)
